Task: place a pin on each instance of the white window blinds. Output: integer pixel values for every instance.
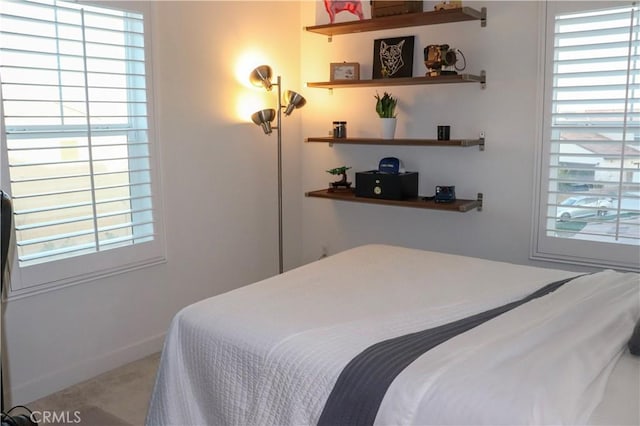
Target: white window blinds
(76, 119)
(590, 198)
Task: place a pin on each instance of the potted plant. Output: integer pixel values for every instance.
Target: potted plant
(386, 109)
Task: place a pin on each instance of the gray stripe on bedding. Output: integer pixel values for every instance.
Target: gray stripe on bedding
(362, 384)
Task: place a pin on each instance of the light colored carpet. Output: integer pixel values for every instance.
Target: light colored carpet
(116, 398)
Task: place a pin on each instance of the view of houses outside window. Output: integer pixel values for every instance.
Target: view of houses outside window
(593, 132)
(74, 98)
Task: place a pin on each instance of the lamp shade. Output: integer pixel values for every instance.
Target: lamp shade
(264, 118)
(293, 100)
(261, 76)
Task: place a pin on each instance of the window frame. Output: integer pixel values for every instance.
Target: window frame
(543, 247)
(47, 276)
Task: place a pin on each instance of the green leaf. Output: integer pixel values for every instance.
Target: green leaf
(386, 105)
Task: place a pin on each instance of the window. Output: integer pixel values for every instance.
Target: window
(77, 141)
(589, 200)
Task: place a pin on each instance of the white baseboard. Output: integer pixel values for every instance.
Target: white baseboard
(23, 393)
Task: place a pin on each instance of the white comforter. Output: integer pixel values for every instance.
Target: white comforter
(269, 353)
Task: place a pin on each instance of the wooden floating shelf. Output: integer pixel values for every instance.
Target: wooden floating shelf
(402, 21)
(404, 81)
(458, 205)
(411, 142)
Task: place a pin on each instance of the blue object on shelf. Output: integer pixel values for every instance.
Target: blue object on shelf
(389, 165)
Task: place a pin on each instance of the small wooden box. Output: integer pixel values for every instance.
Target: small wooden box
(388, 8)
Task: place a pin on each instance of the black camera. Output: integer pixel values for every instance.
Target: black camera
(445, 194)
(440, 59)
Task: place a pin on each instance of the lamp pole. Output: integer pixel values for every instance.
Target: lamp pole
(279, 118)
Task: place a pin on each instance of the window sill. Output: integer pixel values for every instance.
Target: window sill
(35, 290)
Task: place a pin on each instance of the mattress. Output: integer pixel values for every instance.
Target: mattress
(271, 352)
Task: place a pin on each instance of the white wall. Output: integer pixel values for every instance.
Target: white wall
(506, 111)
(219, 188)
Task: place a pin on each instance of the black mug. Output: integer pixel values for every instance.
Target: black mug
(443, 133)
(339, 129)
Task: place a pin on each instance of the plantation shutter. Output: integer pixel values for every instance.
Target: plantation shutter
(590, 204)
(76, 120)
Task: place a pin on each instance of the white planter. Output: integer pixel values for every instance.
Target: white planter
(388, 127)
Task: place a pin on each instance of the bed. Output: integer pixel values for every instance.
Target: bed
(279, 351)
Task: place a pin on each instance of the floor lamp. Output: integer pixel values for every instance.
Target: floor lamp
(261, 77)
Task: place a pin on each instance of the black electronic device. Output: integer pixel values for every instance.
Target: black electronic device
(388, 186)
(445, 194)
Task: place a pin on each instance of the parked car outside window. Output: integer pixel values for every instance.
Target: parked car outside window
(583, 206)
(604, 205)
